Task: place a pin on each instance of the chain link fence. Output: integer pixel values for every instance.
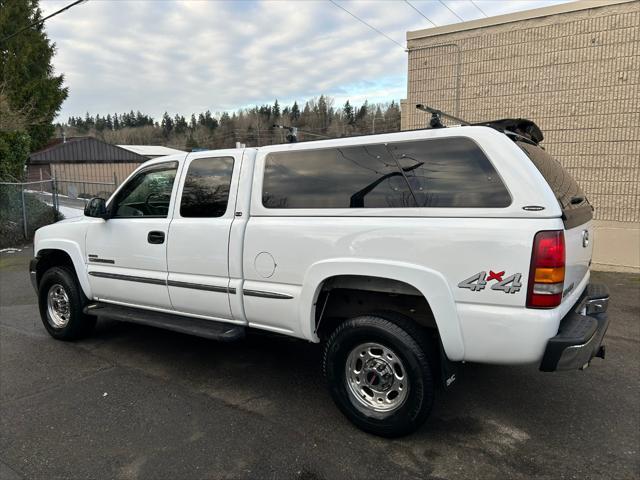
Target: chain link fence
(27, 206)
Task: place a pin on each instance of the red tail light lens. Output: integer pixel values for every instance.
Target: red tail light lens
(546, 276)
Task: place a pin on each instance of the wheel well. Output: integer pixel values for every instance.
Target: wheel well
(52, 258)
(348, 296)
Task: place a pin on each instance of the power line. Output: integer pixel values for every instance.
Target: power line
(449, 8)
(77, 2)
(481, 11)
(367, 24)
(421, 14)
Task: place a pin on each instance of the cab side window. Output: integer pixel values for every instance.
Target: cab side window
(147, 194)
(206, 188)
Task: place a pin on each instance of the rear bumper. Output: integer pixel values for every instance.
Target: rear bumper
(581, 332)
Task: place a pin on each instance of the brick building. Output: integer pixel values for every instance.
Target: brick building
(574, 69)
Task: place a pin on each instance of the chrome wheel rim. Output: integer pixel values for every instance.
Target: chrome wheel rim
(58, 306)
(376, 377)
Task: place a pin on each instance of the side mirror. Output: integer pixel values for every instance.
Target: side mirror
(96, 208)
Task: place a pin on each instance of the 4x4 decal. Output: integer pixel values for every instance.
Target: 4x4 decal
(479, 281)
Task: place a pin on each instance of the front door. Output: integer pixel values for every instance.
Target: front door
(198, 245)
(127, 254)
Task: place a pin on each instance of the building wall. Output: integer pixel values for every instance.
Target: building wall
(576, 74)
(73, 177)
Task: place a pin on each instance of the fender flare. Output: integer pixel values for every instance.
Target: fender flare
(431, 283)
(74, 251)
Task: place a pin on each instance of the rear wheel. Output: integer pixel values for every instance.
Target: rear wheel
(379, 373)
(61, 301)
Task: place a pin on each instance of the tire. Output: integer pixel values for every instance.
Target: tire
(62, 316)
(394, 367)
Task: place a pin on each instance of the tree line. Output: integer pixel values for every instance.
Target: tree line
(317, 118)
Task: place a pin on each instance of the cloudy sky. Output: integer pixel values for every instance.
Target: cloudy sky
(193, 55)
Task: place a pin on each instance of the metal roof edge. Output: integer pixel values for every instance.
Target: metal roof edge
(35, 158)
(513, 17)
(123, 149)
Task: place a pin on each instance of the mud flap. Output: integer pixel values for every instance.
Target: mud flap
(448, 369)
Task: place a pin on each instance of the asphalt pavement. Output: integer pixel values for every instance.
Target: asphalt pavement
(137, 402)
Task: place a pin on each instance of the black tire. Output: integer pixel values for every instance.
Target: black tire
(78, 324)
(404, 339)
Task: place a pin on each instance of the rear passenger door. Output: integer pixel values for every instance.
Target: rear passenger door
(198, 244)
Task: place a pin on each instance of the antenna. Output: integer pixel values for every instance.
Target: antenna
(435, 120)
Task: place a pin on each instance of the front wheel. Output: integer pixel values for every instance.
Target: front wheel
(61, 301)
(379, 374)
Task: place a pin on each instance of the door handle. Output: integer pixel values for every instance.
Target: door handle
(155, 237)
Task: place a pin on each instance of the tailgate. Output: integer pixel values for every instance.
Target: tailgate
(578, 248)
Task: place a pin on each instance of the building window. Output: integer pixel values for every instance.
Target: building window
(206, 187)
(449, 172)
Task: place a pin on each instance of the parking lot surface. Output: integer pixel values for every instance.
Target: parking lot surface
(137, 402)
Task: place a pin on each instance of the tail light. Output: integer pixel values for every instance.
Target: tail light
(546, 276)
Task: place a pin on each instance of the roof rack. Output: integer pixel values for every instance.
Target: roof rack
(521, 128)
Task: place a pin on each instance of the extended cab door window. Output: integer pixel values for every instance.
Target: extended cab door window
(198, 248)
(147, 194)
(206, 188)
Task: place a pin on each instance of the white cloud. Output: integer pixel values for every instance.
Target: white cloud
(189, 56)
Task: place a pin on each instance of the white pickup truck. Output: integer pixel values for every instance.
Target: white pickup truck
(404, 253)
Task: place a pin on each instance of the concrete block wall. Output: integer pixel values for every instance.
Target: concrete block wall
(575, 70)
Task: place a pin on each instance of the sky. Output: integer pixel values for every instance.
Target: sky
(196, 55)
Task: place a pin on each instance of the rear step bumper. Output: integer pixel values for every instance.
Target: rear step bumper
(221, 331)
(581, 332)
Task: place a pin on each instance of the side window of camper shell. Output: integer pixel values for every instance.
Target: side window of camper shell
(448, 172)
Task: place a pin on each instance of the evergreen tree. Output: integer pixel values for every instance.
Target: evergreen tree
(89, 122)
(14, 145)
(275, 111)
(347, 112)
(323, 112)
(362, 112)
(265, 111)
(210, 122)
(100, 123)
(295, 112)
(166, 125)
(27, 72)
(180, 124)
